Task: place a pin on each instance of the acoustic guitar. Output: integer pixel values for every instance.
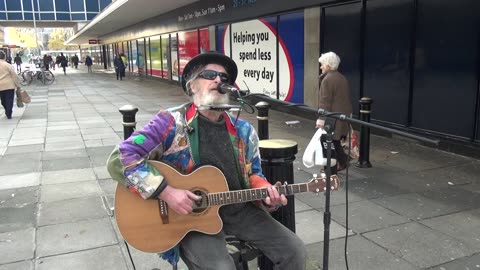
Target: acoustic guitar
(150, 226)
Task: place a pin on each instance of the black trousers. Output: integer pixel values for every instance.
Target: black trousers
(340, 157)
(7, 97)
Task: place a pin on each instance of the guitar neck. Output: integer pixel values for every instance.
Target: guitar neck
(247, 195)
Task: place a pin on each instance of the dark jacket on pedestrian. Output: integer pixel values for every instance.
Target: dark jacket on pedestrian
(88, 61)
(334, 96)
(119, 65)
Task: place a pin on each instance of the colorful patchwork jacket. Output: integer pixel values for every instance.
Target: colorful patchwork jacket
(172, 137)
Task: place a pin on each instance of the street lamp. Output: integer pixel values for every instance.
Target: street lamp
(35, 26)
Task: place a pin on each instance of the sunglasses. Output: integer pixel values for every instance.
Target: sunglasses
(212, 74)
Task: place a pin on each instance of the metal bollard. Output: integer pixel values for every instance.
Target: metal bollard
(129, 123)
(277, 165)
(262, 118)
(365, 112)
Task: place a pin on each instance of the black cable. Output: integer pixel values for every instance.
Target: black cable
(129, 255)
(346, 198)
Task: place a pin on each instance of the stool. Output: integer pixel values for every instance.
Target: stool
(242, 252)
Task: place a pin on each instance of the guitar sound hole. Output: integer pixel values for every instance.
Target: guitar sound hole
(200, 205)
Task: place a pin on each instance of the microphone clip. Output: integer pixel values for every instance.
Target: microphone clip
(221, 107)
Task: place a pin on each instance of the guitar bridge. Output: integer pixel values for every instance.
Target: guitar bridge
(162, 206)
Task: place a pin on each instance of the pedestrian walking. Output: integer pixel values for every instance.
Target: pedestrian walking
(8, 83)
(89, 63)
(334, 96)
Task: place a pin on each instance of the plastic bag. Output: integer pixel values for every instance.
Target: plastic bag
(314, 153)
(353, 146)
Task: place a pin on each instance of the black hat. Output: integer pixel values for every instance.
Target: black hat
(209, 58)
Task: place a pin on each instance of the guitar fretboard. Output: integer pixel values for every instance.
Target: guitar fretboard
(246, 195)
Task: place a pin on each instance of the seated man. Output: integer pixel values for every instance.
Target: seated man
(186, 138)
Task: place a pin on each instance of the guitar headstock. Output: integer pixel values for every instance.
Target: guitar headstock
(319, 184)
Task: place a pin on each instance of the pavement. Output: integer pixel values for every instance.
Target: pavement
(415, 208)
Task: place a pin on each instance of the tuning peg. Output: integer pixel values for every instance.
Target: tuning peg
(315, 175)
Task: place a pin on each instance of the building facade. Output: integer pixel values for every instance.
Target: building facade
(51, 10)
(419, 60)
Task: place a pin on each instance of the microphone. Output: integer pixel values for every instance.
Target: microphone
(220, 107)
(224, 88)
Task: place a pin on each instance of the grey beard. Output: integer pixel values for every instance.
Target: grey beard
(209, 99)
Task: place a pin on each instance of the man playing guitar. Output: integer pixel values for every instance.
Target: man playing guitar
(186, 138)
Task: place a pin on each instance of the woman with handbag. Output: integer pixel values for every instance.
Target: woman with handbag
(8, 83)
(334, 96)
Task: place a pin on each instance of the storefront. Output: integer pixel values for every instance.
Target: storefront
(419, 60)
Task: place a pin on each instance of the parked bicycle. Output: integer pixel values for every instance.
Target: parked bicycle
(27, 76)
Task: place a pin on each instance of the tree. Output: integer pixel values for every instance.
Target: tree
(57, 38)
(24, 37)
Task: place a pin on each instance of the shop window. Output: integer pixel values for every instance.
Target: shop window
(62, 5)
(15, 16)
(13, 5)
(78, 17)
(92, 5)
(90, 16)
(27, 5)
(46, 5)
(63, 16)
(47, 16)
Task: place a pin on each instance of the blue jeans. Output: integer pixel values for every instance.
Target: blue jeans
(7, 97)
(252, 224)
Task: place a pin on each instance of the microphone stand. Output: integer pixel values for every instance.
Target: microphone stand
(329, 126)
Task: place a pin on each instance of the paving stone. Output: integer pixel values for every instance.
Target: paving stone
(19, 142)
(24, 265)
(99, 155)
(65, 132)
(101, 172)
(66, 176)
(62, 127)
(64, 139)
(309, 227)
(58, 192)
(317, 200)
(17, 218)
(460, 226)
(95, 259)
(419, 245)
(19, 180)
(300, 206)
(415, 206)
(152, 261)
(75, 236)
(102, 130)
(63, 123)
(108, 186)
(458, 198)
(17, 245)
(18, 197)
(20, 163)
(64, 145)
(362, 254)
(467, 263)
(28, 133)
(70, 210)
(366, 216)
(63, 154)
(35, 148)
(65, 164)
(455, 175)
